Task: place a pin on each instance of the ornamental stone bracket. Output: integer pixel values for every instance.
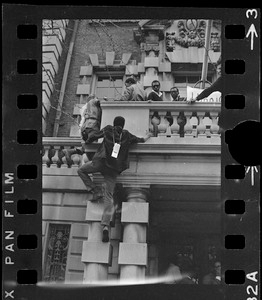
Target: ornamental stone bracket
(149, 34)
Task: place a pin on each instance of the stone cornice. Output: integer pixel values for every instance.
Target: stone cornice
(165, 179)
(158, 145)
(127, 179)
(166, 105)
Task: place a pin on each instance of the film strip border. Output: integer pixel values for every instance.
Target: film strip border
(22, 253)
(240, 192)
(22, 263)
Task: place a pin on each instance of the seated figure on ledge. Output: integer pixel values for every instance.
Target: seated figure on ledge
(90, 123)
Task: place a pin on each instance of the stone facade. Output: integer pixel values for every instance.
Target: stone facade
(171, 189)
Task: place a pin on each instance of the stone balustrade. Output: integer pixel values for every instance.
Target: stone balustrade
(178, 125)
(174, 119)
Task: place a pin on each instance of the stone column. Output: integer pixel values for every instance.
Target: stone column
(151, 65)
(133, 251)
(96, 255)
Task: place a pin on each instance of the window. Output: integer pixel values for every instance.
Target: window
(109, 86)
(56, 252)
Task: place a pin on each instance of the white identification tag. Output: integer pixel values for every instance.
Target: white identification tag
(115, 150)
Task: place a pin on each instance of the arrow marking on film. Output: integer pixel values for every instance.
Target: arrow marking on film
(253, 168)
(252, 31)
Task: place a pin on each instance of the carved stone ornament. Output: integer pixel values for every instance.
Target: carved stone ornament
(191, 33)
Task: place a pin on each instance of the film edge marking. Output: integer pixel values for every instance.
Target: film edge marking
(8, 232)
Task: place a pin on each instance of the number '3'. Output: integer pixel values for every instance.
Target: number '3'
(250, 12)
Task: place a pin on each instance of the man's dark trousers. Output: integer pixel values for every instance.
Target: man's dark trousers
(110, 176)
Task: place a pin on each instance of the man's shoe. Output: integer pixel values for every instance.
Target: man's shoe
(105, 238)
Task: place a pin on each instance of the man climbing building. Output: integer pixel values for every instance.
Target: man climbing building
(110, 159)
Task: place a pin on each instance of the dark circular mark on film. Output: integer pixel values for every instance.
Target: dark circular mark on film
(244, 143)
(27, 241)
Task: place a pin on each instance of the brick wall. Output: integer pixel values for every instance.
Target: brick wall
(58, 81)
(94, 39)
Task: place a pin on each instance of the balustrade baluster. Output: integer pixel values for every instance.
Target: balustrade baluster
(45, 158)
(55, 158)
(201, 128)
(194, 123)
(207, 122)
(76, 158)
(155, 122)
(215, 137)
(150, 126)
(162, 127)
(214, 127)
(64, 162)
(175, 127)
(188, 127)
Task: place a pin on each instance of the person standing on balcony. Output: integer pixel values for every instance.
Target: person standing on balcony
(133, 91)
(110, 159)
(137, 81)
(174, 91)
(90, 123)
(155, 95)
